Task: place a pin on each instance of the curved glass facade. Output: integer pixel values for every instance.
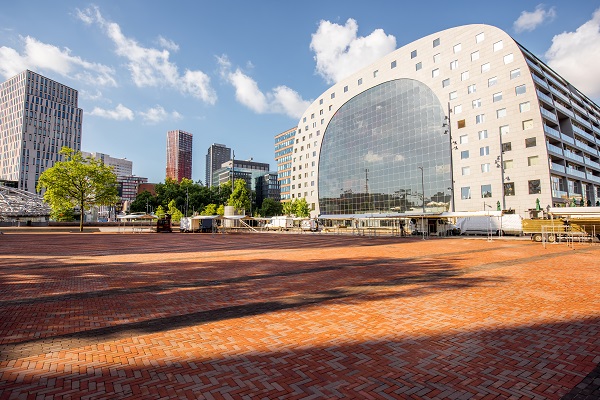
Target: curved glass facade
(373, 147)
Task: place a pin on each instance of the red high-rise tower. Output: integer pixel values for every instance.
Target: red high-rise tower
(179, 155)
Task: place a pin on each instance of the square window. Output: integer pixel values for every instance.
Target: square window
(333, 95)
(446, 82)
(471, 88)
(479, 38)
(498, 45)
(464, 154)
(321, 101)
(497, 97)
(413, 54)
(515, 73)
(418, 66)
(457, 48)
(436, 42)
(482, 134)
(507, 164)
(524, 107)
(485, 67)
(375, 73)
(533, 160)
(504, 129)
(484, 151)
(520, 90)
(479, 119)
(437, 57)
(492, 81)
(506, 147)
(464, 139)
(464, 76)
(530, 142)
(345, 89)
(528, 124)
(508, 58)
(465, 193)
(486, 191)
(466, 171)
(485, 167)
(359, 81)
(458, 109)
(452, 95)
(535, 187)
(461, 123)
(393, 65)
(454, 64)
(509, 189)
(435, 72)
(501, 113)
(476, 103)
(475, 56)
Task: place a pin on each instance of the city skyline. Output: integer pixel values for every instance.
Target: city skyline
(261, 68)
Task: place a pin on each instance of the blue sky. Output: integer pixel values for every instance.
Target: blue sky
(239, 72)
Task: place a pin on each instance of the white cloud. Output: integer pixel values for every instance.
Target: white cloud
(281, 100)
(46, 57)
(339, 52)
(528, 21)
(84, 94)
(120, 113)
(167, 44)
(576, 56)
(158, 114)
(149, 66)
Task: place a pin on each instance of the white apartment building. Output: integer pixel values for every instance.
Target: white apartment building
(465, 119)
(38, 116)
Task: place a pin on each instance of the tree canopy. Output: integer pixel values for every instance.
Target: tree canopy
(78, 182)
(240, 197)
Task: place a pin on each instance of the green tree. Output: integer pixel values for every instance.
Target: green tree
(144, 202)
(271, 208)
(289, 207)
(176, 215)
(301, 208)
(78, 182)
(240, 197)
(63, 214)
(160, 212)
(221, 210)
(210, 209)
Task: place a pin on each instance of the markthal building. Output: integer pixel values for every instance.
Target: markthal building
(465, 119)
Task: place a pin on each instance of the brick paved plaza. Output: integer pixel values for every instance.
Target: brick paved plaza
(268, 316)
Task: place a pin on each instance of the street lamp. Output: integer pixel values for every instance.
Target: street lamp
(422, 188)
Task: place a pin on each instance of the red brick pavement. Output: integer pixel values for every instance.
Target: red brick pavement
(294, 316)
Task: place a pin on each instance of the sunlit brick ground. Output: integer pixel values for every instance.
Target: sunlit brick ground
(296, 316)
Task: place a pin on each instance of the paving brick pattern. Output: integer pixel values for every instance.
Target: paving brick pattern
(271, 316)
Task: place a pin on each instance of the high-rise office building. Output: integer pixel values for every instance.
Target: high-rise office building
(284, 147)
(216, 155)
(121, 166)
(38, 116)
(466, 119)
(179, 155)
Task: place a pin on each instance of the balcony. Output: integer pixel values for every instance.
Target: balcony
(596, 129)
(545, 97)
(548, 114)
(554, 149)
(585, 147)
(583, 134)
(583, 120)
(593, 178)
(532, 65)
(576, 172)
(559, 194)
(567, 139)
(539, 81)
(556, 82)
(559, 94)
(591, 163)
(572, 156)
(557, 167)
(551, 131)
(575, 106)
(564, 109)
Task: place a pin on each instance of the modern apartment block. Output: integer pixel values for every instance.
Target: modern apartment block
(121, 166)
(284, 147)
(216, 155)
(179, 155)
(38, 116)
(248, 170)
(465, 119)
